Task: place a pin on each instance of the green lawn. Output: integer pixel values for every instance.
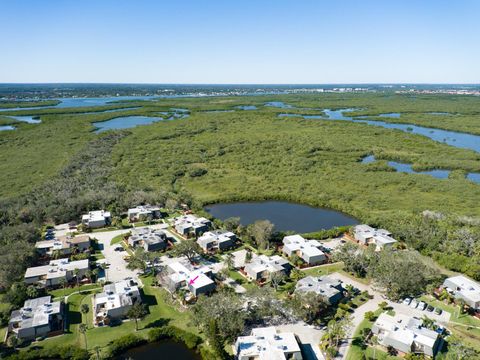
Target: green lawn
(117, 239)
(3, 331)
(160, 311)
(60, 293)
(324, 269)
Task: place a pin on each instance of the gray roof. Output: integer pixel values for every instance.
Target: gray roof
(35, 312)
(326, 286)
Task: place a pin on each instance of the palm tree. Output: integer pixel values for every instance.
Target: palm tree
(76, 272)
(136, 312)
(374, 341)
(104, 267)
(95, 273)
(82, 328)
(63, 283)
(84, 309)
(229, 261)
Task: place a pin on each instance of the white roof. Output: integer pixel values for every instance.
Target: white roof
(405, 330)
(35, 312)
(267, 343)
(56, 268)
(308, 247)
(97, 215)
(464, 286)
(116, 295)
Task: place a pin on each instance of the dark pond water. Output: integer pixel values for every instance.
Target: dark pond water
(408, 169)
(246, 107)
(390, 115)
(166, 349)
(82, 102)
(278, 104)
(124, 122)
(284, 215)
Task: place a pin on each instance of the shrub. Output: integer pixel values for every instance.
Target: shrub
(171, 332)
(57, 352)
(123, 343)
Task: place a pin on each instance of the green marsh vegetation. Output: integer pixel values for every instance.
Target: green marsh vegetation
(58, 169)
(24, 104)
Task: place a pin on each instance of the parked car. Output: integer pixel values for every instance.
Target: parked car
(407, 301)
(438, 311)
(422, 305)
(119, 248)
(414, 304)
(430, 308)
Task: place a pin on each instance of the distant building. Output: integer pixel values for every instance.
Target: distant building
(191, 224)
(149, 239)
(406, 334)
(114, 302)
(326, 286)
(464, 288)
(308, 250)
(196, 279)
(51, 275)
(261, 267)
(367, 235)
(97, 219)
(144, 213)
(267, 343)
(217, 240)
(64, 245)
(39, 317)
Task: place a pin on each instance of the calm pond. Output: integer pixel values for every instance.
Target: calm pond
(284, 215)
(166, 349)
(124, 122)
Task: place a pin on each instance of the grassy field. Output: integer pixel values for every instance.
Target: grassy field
(160, 312)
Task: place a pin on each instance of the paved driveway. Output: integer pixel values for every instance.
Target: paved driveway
(117, 269)
(309, 337)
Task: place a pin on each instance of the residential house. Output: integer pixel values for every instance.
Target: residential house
(217, 240)
(406, 334)
(367, 235)
(63, 245)
(326, 286)
(196, 279)
(37, 318)
(464, 288)
(262, 267)
(308, 250)
(114, 302)
(149, 239)
(191, 224)
(51, 275)
(97, 219)
(144, 213)
(267, 343)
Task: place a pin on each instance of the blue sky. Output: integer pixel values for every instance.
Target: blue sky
(248, 41)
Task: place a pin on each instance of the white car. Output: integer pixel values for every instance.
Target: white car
(421, 305)
(407, 301)
(414, 304)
